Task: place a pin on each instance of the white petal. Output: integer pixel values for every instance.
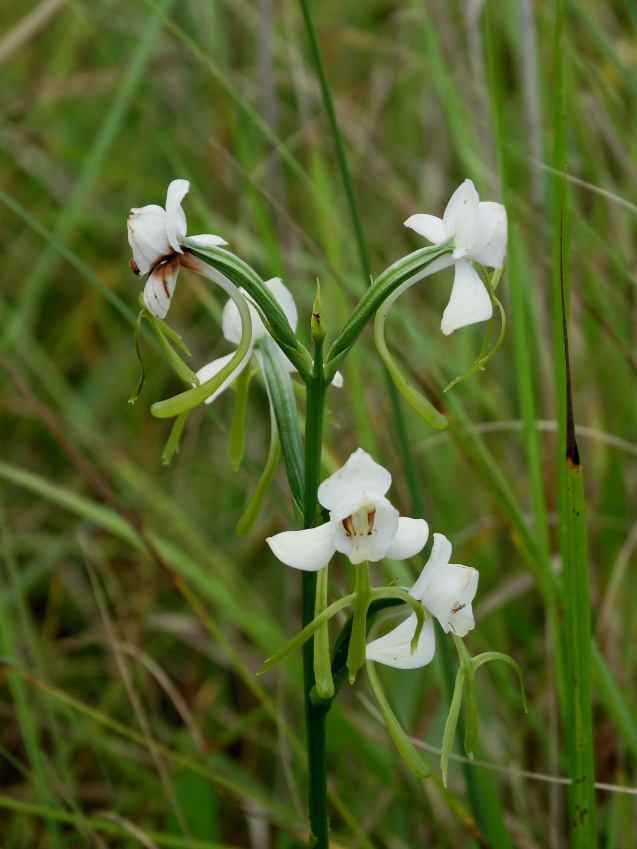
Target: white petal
(208, 239)
(285, 300)
(394, 649)
(147, 236)
(428, 226)
(439, 557)
(461, 218)
(337, 380)
(160, 286)
(309, 550)
(209, 370)
(175, 216)
(469, 302)
(231, 321)
(445, 592)
(373, 544)
(410, 538)
(462, 620)
(360, 472)
(490, 245)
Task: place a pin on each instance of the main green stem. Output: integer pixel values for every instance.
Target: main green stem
(315, 715)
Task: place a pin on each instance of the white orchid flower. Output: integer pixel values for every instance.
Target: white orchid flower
(446, 590)
(231, 329)
(479, 231)
(155, 236)
(363, 524)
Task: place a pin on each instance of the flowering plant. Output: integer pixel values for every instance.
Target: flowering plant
(349, 512)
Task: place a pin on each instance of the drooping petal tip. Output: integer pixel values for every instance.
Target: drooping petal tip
(307, 550)
(469, 302)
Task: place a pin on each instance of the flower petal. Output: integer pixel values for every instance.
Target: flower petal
(360, 472)
(469, 302)
(210, 369)
(369, 544)
(490, 245)
(147, 236)
(461, 218)
(410, 538)
(208, 239)
(309, 550)
(443, 596)
(285, 300)
(462, 620)
(175, 216)
(394, 649)
(337, 380)
(439, 557)
(428, 226)
(231, 321)
(160, 286)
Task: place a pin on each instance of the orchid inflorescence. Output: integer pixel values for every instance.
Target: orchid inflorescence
(349, 512)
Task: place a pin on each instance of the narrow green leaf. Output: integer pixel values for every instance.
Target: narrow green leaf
(396, 732)
(451, 724)
(180, 367)
(281, 394)
(168, 331)
(245, 277)
(471, 707)
(307, 632)
(612, 698)
(142, 376)
(237, 428)
(253, 509)
(487, 656)
(322, 663)
(172, 445)
(414, 398)
(413, 265)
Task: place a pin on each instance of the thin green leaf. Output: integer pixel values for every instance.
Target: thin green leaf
(172, 445)
(180, 367)
(401, 741)
(322, 664)
(237, 428)
(281, 395)
(253, 509)
(307, 632)
(142, 376)
(485, 657)
(451, 724)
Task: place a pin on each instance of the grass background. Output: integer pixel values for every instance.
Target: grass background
(102, 105)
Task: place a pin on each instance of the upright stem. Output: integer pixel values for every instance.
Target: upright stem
(315, 715)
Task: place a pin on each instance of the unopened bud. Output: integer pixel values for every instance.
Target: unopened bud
(318, 328)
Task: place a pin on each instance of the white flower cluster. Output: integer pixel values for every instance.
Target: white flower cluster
(365, 526)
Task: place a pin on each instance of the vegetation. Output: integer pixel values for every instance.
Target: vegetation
(133, 619)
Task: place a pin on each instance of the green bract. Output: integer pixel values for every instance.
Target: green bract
(241, 274)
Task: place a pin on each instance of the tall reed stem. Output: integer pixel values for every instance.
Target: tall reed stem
(315, 713)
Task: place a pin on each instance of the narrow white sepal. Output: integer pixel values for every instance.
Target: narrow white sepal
(175, 216)
(428, 226)
(308, 550)
(410, 538)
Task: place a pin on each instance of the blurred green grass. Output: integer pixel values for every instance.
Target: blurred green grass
(101, 107)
